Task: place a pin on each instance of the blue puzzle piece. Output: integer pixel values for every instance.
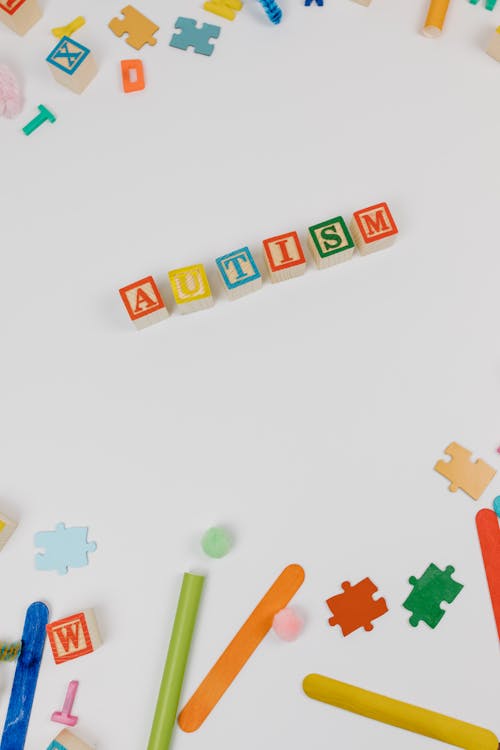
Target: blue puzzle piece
(193, 36)
(64, 548)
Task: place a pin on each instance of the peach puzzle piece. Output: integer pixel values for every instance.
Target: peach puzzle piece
(140, 29)
(284, 256)
(74, 636)
(470, 476)
(20, 15)
(373, 228)
(191, 288)
(143, 302)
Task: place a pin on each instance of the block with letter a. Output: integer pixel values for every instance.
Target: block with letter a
(284, 256)
(20, 15)
(74, 636)
(143, 303)
(373, 228)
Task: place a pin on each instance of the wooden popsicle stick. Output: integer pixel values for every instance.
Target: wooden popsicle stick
(244, 643)
(488, 531)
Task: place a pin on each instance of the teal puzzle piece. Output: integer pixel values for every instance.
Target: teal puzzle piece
(64, 548)
(432, 588)
(193, 36)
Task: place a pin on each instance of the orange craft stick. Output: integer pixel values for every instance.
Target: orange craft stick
(132, 75)
(435, 18)
(489, 539)
(240, 649)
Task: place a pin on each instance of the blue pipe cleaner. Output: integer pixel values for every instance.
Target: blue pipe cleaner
(273, 10)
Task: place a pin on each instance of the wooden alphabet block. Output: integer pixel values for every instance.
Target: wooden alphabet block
(7, 528)
(66, 740)
(470, 476)
(74, 636)
(72, 64)
(143, 303)
(366, 3)
(373, 228)
(330, 242)
(493, 48)
(191, 288)
(284, 256)
(239, 273)
(20, 15)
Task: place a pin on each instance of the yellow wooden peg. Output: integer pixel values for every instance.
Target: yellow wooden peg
(225, 8)
(70, 28)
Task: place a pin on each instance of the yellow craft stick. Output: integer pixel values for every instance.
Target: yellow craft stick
(435, 18)
(399, 714)
(70, 28)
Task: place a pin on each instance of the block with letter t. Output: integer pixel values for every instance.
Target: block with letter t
(239, 273)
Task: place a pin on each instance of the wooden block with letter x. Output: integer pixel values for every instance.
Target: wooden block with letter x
(72, 64)
(373, 228)
(284, 256)
(143, 302)
(74, 636)
(20, 15)
(330, 242)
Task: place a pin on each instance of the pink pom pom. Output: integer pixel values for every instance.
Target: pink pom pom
(287, 624)
(11, 101)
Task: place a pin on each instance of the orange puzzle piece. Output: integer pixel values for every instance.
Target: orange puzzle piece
(356, 608)
(140, 29)
(464, 474)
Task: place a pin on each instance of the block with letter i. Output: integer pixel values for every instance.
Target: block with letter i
(72, 64)
(191, 288)
(330, 242)
(284, 256)
(20, 15)
(74, 636)
(373, 228)
(143, 303)
(239, 273)
(67, 740)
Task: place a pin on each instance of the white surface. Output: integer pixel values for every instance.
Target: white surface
(307, 417)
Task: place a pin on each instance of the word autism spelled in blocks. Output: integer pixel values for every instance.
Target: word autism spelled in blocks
(144, 303)
(373, 228)
(74, 636)
(239, 273)
(330, 243)
(284, 256)
(20, 15)
(72, 64)
(191, 288)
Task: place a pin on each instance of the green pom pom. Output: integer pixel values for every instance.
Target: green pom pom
(216, 542)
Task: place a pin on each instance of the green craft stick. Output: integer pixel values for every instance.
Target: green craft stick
(175, 666)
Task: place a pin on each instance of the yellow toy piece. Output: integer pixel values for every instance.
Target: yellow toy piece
(225, 8)
(471, 477)
(70, 29)
(191, 288)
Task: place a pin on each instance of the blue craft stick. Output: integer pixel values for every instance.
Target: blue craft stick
(273, 10)
(25, 678)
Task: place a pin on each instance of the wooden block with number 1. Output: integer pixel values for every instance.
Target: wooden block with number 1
(373, 228)
(284, 256)
(20, 15)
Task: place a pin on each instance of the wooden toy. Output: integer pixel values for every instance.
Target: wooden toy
(64, 716)
(143, 303)
(10, 651)
(132, 75)
(11, 100)
(241, 648)
(225, 8)
(197, 37)
(72, 64)
(64, 548)
(25, 678)
(273, 10)
(493, 48)
(7, 528)
(356, 608)
(373, 228)
(398, 714)
(74, 636)
(239, 273)
(330, 242)
(488, 532)
(66, 740)
(284, 256)
(20, 15)
(175, 665)
(70, 28)
(45, 115)
(191, 288)
(429, 591)
(140, 29)
(436, 15)
(366, 3)
(471, 477)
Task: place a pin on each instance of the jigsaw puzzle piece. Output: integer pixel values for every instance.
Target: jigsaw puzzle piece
(356, 608)
(140, 29)
(64, 548)
(432, 588)
(470, 476)
(193, 36)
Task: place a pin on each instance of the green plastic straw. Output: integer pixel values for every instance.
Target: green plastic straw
(175, 666)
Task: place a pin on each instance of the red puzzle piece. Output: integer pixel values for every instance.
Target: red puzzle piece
(356, 608)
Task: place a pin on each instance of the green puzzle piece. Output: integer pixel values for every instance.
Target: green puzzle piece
(432, 588)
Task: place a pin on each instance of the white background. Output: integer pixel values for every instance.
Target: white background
(306, 417)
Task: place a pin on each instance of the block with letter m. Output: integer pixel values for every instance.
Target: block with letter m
(373, 228)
